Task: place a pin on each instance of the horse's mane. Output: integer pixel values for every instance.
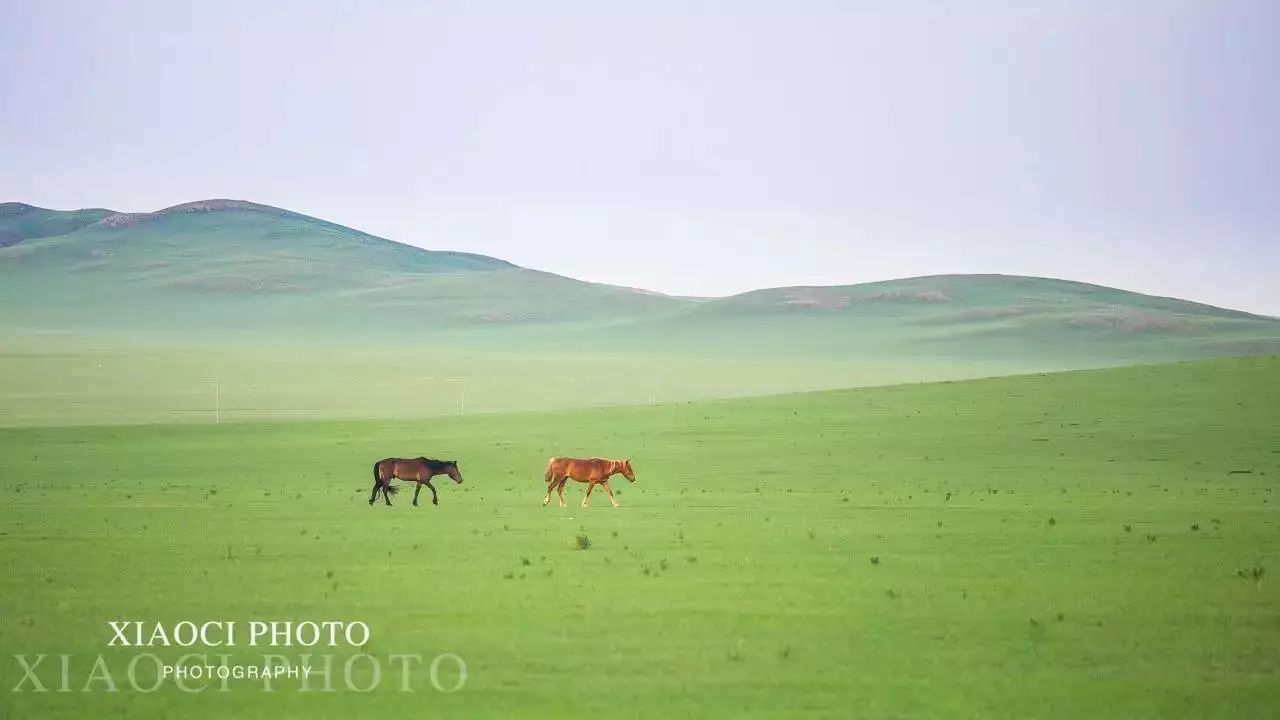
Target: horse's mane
(435, 464)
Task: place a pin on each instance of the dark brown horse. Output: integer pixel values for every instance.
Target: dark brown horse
(419, 470)
(592, 471)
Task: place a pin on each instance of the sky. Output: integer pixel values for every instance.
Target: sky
(700, 148)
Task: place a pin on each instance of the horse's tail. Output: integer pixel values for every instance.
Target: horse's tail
(550, 473)
(387, 487)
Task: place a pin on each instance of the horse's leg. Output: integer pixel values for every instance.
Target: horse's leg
(560, 489)
(590, 484)
(386, 491)
(434, 501)
(605, 484)
(415, 493)
(551, 482)
(374, 495)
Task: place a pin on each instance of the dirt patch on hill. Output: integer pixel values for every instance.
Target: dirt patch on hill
(838, 299)
(199, 206)
(1132, 321)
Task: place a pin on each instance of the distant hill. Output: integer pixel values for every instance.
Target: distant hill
(975, 316)
(19, 221)
(228, 265)
(969, 299)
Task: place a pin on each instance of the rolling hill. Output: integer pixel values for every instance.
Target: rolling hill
(19, 221)
(234, 264)
(972, 317)
(219, 267)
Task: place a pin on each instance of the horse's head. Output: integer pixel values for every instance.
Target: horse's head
(627, 471)
(451, 467)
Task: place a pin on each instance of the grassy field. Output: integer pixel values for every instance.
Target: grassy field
(114, 379)
(1064, 545)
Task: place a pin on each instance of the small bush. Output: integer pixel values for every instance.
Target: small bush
(1255, 573)
(875, 559)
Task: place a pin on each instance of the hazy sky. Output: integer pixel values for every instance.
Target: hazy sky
(699, 148)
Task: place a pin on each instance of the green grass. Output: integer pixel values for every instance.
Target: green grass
(1015, 547)
(104, 378)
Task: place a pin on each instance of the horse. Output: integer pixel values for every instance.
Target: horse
(419, 470)
(592, 471)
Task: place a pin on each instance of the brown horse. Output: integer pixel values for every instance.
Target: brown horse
(419, 470)
(592, 471)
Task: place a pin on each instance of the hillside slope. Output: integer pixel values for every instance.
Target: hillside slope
(973, 316)
(227, 263)
(219, 266)
(19, 221)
